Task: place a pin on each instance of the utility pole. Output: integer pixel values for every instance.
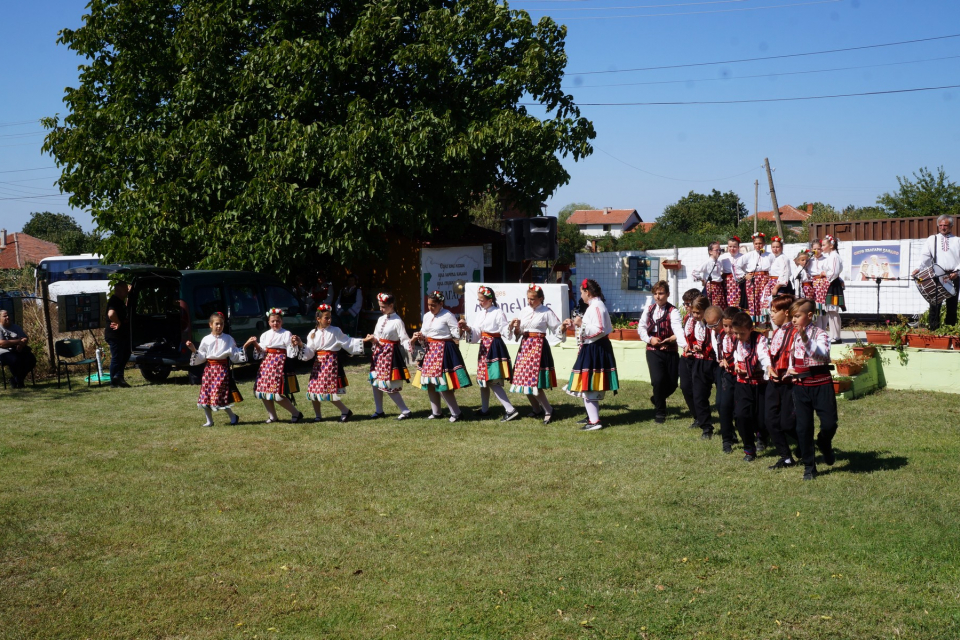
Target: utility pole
(773, 197)
(756, 203)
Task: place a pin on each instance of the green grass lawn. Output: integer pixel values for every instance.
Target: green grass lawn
(120, 517)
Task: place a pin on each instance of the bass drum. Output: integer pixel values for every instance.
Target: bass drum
(933, 284)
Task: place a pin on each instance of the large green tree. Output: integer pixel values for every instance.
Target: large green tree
(262, 133)
(63, 230)
(926, 195)
(699, 212)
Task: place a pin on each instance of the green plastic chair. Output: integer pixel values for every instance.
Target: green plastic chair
(67, 350)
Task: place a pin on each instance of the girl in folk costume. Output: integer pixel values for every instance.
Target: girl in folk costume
(698, 361)
(533, 374)
(780, 280)
(327, 380)
(813, 268)
(217, 350)
(751, 359)
(710, 274)
(595, 371)
(829, 289)
(812, 387)
(493, 360)
(757, 266)
(661, 329)
(388, 366)
(781, 419)
(273, 348)
(442, 371)
(732, 263)
(803, 284)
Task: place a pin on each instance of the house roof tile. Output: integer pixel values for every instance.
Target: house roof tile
(22, 249)
(601, 216)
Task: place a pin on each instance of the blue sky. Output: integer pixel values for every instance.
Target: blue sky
(839, 151)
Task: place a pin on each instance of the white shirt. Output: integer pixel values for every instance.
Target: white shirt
(743, 351)
(391, 327)
(815, 352)
(831, 265)
(330, 339)
(220, 347)
(489, 320)
(733, 264)
(780, 269)
(441, 326)
(947, 251)
(596, 322)
(709, 271)
(798, 273)
(814, 265)
(542, 319)
(757, 261)
(275, 340)
(658, 312)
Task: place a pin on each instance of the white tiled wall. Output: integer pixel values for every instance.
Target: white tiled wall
(605, 268)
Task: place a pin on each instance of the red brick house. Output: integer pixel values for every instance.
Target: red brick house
(18, 249)
(791, 217)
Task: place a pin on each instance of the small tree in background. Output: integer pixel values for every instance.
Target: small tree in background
(62, 230)
(572, 240)
(926, 195)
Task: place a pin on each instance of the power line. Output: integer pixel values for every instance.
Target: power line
(34, 197)
(762, 75)
(23, 135)
(17, 124)
(645, 6)
(838, 95)
(698, 13)
(656, 175)
(786, 55)
(22, 170)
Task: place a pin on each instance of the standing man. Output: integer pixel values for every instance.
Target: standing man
(14, 350)
(349, 303)
(942, 250)
(117, 334)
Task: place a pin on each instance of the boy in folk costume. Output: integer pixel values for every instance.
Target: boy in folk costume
(493, 360)
(734, 281)
(699, 362)
(710, 274)
(781, 419)
(683, 368)
(812, 387)
(660, 327)
(388, 362)
(218, 350)
(536, 328)
(757, 267)
(328, 382)
(751, 359)
(724, 342)
(273, 348)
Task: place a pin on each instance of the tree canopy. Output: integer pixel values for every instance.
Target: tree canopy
(261, 134)
(63, 230)
(572, 241)
(926, 195)
(698, 213)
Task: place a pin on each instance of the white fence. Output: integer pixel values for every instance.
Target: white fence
(896, 297)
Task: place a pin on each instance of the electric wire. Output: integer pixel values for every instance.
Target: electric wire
(697, 13)
(656, 175)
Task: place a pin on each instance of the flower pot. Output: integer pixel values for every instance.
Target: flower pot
(615, 334)
(926, 341)
(849, 369)
(839, 386)
(868, 351)
(571, 332)
(878, 337)
(670, 264)
(629, 334)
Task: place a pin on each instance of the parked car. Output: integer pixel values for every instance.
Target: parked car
(167, 307)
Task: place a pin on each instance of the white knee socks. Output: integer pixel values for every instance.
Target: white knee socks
(593, 410)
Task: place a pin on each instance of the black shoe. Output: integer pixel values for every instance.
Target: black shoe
(404, 416)
(706, 435)
(547, 418)
(345, 417)
(749, 457)
(377, 415)
(584, 421)
(829, 457)
(810, 472)
(235, 420)
(783, 463)
(482, 414)
(297, 418)
(123, 384)
(592, 426)
(761, 447)
(694, 425)
(657, 419)
(536, 414)
(456, 418)
(727, 447)
(510, 416)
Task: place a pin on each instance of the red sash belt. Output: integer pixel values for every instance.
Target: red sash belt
(439, 339)
(326, 353)
(284, 351)
(220, 362)
(484, 334)
(389, 342)
(531, 334)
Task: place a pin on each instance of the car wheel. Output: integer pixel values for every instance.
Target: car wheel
(155, 373)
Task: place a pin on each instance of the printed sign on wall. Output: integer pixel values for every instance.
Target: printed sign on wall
(446, 270)
(872, 260)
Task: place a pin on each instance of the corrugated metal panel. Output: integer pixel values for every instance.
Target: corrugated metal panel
(879, 229)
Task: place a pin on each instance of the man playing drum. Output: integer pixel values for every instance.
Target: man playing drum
(942, 252)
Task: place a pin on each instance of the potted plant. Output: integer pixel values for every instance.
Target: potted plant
(622, 328)
(897, 336)
(841, 384)
(865, 350)
(850, 364)
(926, 339)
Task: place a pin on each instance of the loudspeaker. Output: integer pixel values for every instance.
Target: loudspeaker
(515, 230)
(541, 239)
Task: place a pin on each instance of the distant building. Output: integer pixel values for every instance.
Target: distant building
(19, 249)
(600, 222)
(791, 217)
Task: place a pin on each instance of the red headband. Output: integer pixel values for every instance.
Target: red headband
(737, 238)
(382, 297)
(534, 287)
(323, 308)
(584, 284)
(486, 292)
(776, 239)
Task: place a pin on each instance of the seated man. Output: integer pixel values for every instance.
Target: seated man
(14, 351)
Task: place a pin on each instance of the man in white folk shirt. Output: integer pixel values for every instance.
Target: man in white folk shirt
(942, 250)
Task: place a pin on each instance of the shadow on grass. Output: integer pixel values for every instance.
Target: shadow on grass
(868, 462)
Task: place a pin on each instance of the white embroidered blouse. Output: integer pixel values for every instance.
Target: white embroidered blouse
(441, 326)
(222, 347)
(596, 322)
(271, 339)
(542, 319)
(391, 327)
(489, 320)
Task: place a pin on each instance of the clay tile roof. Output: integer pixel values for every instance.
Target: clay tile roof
(22, 249)
(600, 216)
(788, 213)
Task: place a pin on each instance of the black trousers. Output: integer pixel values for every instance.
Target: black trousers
(781, 417)
(686, 384)
(702, 375)
(749, 401)
(663, 366)
(951, 319)
(726, 383)
(21, 363)
(806, 401)
(119, 356)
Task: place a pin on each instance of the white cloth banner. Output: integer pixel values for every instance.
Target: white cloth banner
(512, 298)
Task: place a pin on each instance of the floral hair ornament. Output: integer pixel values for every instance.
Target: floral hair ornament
(776, 239)
(534, 287)
(585, 284)
(219, 313)
(437, 295)
(486, 292)
(275, 311)
(384, 297)
(323, 308)
(736, 238)
(830, 239)
(758, 235)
